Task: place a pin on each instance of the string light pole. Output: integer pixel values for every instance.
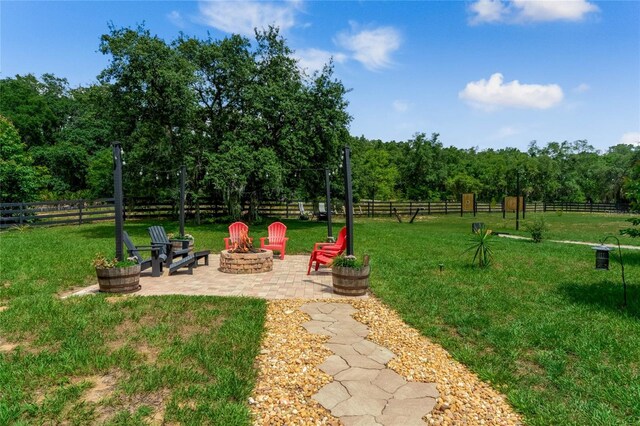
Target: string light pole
(117, 197)
(183, 172)
(348, 198)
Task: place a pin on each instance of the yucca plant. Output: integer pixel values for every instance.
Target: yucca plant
(480, 244)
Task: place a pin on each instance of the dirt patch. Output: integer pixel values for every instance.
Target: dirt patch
(102, 386)
(529, 367)
(27, 342)
(150, 353)
(189, 403)
(6, 346)
(3, 308)
(108, 400)
(120, 402)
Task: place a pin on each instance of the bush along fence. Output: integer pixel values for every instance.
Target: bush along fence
(65, 212)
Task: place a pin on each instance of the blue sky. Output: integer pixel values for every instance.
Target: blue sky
(486, 74)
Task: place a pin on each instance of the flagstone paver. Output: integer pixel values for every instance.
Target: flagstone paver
(364, 390)
(287, 280)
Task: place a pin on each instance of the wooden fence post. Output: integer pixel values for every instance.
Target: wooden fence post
(80, 205)
(446, 207)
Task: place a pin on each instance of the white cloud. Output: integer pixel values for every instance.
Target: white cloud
(487, 11)
(176, 19)
(518, 11)
(581, 88)
(400, 106)
(492, 93)
(312, 59)
(630, 138)
(371, 47)
(554, 10)
(241, 17)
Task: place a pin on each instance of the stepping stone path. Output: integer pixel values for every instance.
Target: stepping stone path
(364, 391)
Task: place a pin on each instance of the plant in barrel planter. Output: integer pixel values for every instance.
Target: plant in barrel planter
(117, 276)
(181, 241)
(350, 275)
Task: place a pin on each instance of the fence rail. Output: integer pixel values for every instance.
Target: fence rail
(64, 212)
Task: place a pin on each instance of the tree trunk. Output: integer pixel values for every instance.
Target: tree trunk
(253, 207)
(197, 206)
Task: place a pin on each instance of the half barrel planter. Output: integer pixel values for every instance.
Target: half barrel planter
(182, 244)
(350, 281)
(119, 280)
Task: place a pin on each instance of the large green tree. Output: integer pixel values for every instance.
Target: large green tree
(20, 180)
(241, 116)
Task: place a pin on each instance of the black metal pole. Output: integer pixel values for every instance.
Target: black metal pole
(117, 196)
(348, 199)
(327, 182)
(183, 172)
(518, 200)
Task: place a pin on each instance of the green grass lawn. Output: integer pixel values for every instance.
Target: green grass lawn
(189, 359)
(540, 323)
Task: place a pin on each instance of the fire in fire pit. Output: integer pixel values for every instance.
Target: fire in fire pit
(244, 244)
(244, 258)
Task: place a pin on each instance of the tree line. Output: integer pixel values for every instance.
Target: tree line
(250, 125)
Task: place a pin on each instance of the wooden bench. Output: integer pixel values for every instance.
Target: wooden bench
(200, 255)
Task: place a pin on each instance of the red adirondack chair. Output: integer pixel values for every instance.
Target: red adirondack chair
(236, 229)
(325, 253)
(277, 239)
(342, 235)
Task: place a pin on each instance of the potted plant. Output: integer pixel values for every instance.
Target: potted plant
(117, 276)
(350, 275)
(181, 241)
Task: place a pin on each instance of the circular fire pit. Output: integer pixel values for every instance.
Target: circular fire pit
(246, 263)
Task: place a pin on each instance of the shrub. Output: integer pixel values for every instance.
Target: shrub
(632, 232)
(537, 228)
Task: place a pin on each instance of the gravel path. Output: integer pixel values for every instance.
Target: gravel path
(288, 373)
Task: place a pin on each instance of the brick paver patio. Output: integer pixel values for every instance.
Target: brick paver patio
(288, 280)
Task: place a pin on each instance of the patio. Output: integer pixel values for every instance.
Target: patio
(287, 280)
